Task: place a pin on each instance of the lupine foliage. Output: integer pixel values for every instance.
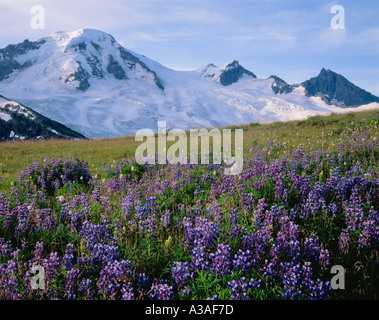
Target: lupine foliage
(191, 232)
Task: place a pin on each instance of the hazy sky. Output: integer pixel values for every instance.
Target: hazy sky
(292, 39)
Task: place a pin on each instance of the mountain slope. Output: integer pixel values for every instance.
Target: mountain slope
(227, 74)
(8, 63)
(334, 88)
(86, 80)
(74, 58)
(18, 122)
(280, 86)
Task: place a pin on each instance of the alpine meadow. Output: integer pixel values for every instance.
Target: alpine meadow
(105, 227)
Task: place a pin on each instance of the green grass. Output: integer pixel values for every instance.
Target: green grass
(315, 133)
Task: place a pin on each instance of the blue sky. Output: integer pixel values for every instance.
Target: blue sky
(292, 39)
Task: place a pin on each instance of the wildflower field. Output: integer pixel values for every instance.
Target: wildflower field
(103, 227)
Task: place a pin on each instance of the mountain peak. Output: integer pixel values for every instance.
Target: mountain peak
(231, 64)
(232, 72)
(334, 88)
(227, 74)
(88, 33)
(328, 72)
(77, 58)
(66, 40)
(279, 85)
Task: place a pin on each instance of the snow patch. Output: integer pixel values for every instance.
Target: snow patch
(5, 117)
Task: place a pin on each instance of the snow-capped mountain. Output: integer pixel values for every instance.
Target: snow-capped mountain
(86, 80)
(18, 122)
(74, 58)
(280, 86)
(227, 74)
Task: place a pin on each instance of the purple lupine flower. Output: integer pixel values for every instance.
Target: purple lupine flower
(255, 284)
(165, 218)
(141, 211)
(236, 231)
(51, 269)
(96, 233)
(259, 213)
(313, 290)
(24, 245)
(369, 236)
(127, 292)
(68, 259)
(127, 204)
(8, 281)
(112, 276)
(38, 252)
(291, 283)
(324, 258)
(96, 196)
(203, 232)
(161, 291)
(71, 284)
(5, 248)
(214, 212)
(186, 292)
(312, 247)
(373, 215)
(221, 260)
(132, 224)
(243, 260)
(286, 241)
(315, 201)
(198, 260)
(344, 242)
(281, 191)
(259, 241)
(151, 206)
(165, 184)
(45, 220)
(102, 254)
(86, 286)
(233, 216)
(180, 273)
(333, 209)
(148, 227)
(234, 286)
(198, 191)
(354, 211)
(143, 284)
(238, 289)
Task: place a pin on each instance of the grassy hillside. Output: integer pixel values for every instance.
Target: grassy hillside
(103, 227)
(316, 133)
